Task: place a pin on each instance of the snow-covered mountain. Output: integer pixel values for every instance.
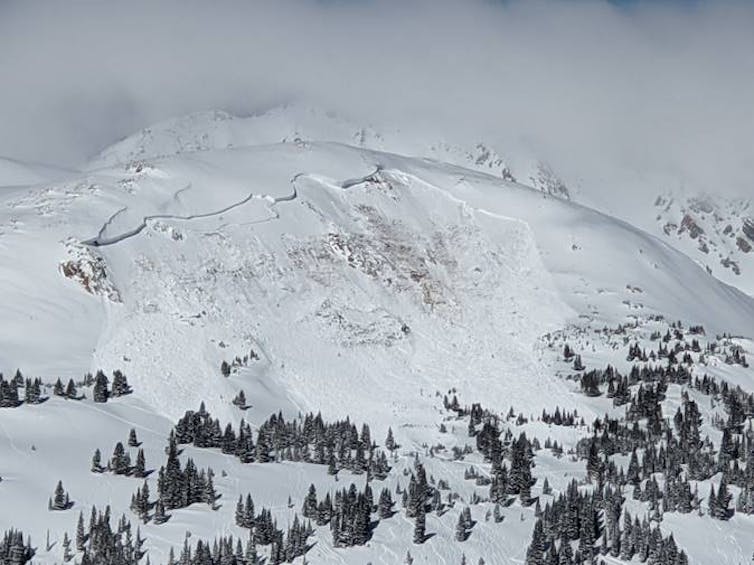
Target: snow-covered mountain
(341, 271)
(203, 131)
(717, 232)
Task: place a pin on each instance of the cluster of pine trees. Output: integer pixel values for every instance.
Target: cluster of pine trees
(264, 530)
(563, 418)
(591, 520)
(9, 395)
(178, 487)
(617, 385)
(337, 445)
(227, 368)
(225, 550)
(350, 517)
(102, 390)
(11, 398)
(101, 543)
(14, 550)
(68, 391)
(674, 448)
(518, 479)
(120, 461)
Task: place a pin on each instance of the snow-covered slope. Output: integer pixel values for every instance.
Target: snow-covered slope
(427, 245)
(367, 283)
(18, 173)
(203, 131)
(717, 232)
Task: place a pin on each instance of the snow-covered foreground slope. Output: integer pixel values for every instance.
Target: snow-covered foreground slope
(367, 284)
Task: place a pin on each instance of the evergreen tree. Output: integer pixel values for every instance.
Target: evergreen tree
(97, 462)
(120, 384)
(462, 533)
(81, 536)
(535, 551)
(390, 444)
(60, 499)
(240, 400)
(101, 383)
(159, 513)
(120, 462)
(70, 390)
(721, 507)
(139, 470)
(132, 439)
(420, 526)
(67, 554)
(309, 509)
(497, 515)
(385, 505)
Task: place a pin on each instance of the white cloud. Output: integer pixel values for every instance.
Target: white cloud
(593, 88)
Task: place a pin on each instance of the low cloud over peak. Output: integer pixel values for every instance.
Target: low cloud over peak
(596, 89)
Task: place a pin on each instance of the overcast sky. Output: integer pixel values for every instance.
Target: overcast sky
(665, 87)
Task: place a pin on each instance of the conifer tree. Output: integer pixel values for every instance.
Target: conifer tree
(60, 499)
(722, 511)
(120, 462)
(385, 505)
(159, 513)
(70, 390)
(309, 508)
(97, 462)
(462, 533)
(100, 393)
(120, 384)
(420, 526)
(139, 470)
(81, 536)
(390, 441)
(67, 554)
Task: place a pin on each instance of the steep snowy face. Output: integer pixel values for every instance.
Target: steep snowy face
(717, 232)
(341, 278)
(343, 269)
(710, 230)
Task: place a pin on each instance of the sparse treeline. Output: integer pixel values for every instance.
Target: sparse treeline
(120, 463)
(11, 397)
(9, 391)
(226, 550)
